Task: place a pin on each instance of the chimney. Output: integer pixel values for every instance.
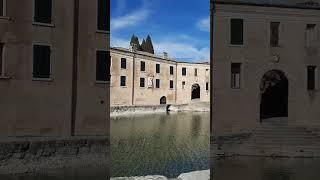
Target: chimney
(165, 55)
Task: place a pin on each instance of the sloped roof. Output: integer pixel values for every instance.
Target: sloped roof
(308, 4)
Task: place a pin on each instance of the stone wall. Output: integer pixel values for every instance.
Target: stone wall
(34, 155)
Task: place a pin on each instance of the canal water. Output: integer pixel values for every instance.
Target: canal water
(159, 144)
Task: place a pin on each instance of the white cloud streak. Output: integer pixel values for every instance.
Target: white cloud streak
(204, 24)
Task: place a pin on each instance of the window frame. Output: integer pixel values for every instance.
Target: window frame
(185, 72)
(107, 30)
(3, 61)
(144, 66)
(207, 86)
(171, 68)
(183, 84)
(171, 81)
(196, 72)
(234, 84)
(158, 84)
(125, 65)
(46, 24)
(108, 78)
(311, 87)
(230, 33)
(158, 65)
(271, 35)
(142, 85)
(50, 78)
(4, 8)
(125, 81)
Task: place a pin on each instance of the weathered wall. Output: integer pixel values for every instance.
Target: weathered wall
(92, 96)
(42, 107)
(235, 109)
(122, 96)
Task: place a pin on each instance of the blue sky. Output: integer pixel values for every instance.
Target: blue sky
(179, 27)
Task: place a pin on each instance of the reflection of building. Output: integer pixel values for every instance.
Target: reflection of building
(266, 59)
(155, 80)
(49, 83)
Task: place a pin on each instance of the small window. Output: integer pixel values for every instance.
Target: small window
(183, 84)
(171, 84)
(142, 82)
(103, 66)
(42, 11)
(157, 68)
(184, 71)
(171, 70)
(274, 34)
(195, 72)
(41, 61)
(311, 34)
(123, 63)
(236, 31)
(157, 83)
(2, 73)
(311, 77)
(3, 7)
(122, 81)
(235, 75)
(207, 86)
(143, 66)
(103, 15)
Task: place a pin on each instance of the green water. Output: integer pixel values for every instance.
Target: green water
(159, 144)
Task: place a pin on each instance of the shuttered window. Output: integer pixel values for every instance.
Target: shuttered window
(41, 61)
(103, 66)
(104, 15)
(42, 11)
(236, 31)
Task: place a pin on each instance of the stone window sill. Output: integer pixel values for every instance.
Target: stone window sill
(43, 79)
(102, 82)
(5, 18)
(102, 32)
(43, 24)
(5, 78)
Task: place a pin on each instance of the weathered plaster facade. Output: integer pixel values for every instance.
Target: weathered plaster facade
(133, 94)
(43, 107)
(234, 110)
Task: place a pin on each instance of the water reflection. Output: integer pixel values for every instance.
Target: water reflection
(250, 168)
(164, 144)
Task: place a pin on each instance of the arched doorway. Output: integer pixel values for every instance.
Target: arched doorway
(163, 100)
(195, 91)
(274, 95)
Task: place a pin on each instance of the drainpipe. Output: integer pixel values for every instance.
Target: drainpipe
(212, 10)
(74, 67)
(133, 74)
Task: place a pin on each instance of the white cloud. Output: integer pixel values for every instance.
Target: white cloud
(183, 51)
(204, 24)
(132, 18)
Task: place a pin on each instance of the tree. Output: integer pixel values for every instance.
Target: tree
(149, 45)
(135, 42)
(143, 46)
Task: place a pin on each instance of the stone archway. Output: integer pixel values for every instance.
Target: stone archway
(274, 95)
(195, 91)
(163, 100)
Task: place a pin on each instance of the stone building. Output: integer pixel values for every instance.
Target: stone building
(266, 65)
(140, 78)
(53, 67)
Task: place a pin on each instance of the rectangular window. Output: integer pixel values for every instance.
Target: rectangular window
(207, 86)
(157, 83)
(235, 75)
(104, 15)
(102, 66)
(195, 72)
(1, 60)
(157, 68)
(3, 7)
(311, 35)
(171, 70)
(311, 77)
(184, 71)
(41, 61)
(183, 84)
(274, 34)
(142, 81)
(142, 66)
(42, 11)
(122, 81)
(123, 63)
(171, 84)
(236, 31)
